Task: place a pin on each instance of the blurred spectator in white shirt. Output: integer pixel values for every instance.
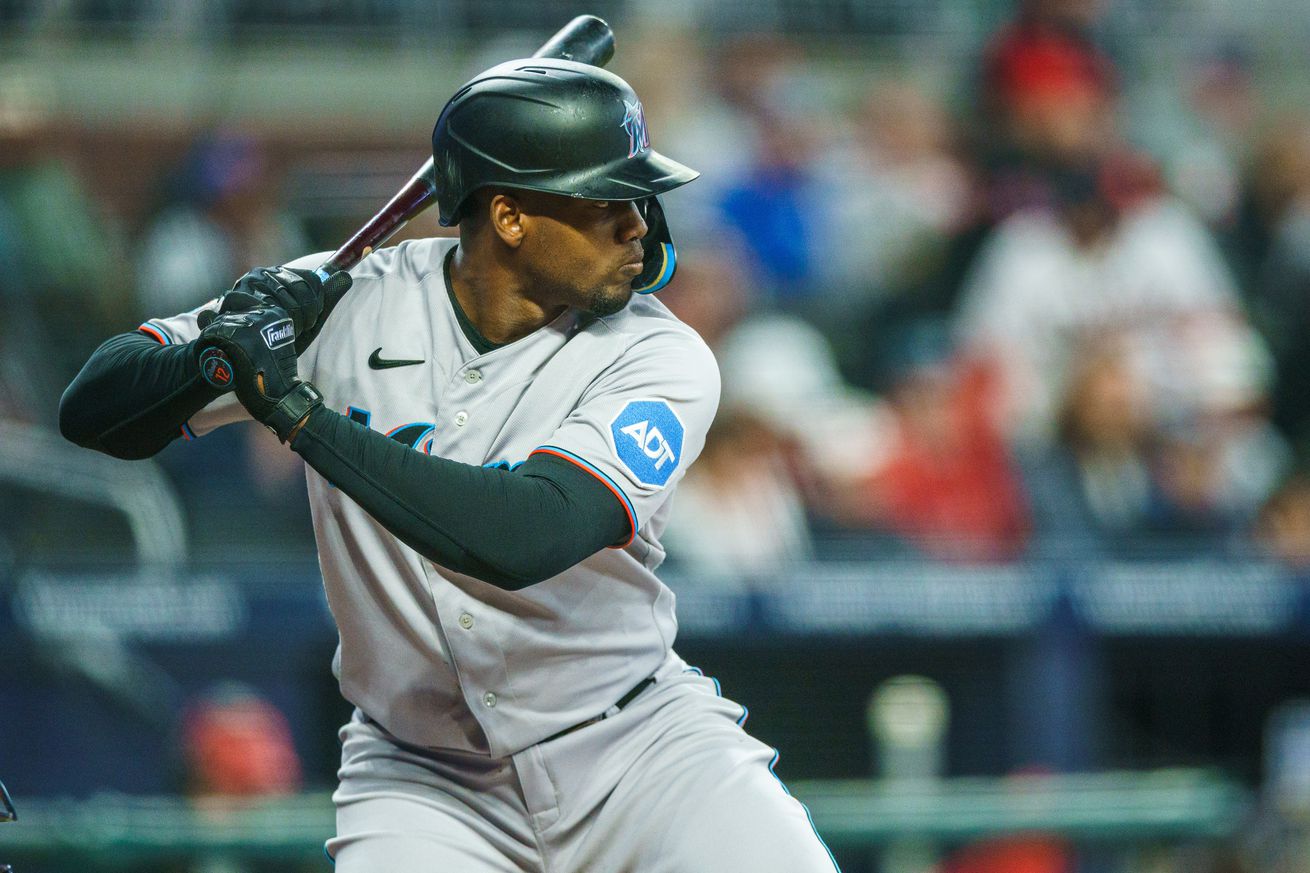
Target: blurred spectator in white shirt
(783, 370)
(741, 515)
(1204, 164)
(222, 217)
(1113, 257)
(741, 510)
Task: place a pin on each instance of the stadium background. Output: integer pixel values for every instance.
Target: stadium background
(1005, 515)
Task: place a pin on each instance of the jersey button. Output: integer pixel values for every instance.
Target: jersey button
(466, 621)
(461, 418)
(473, 377)
(489, 698)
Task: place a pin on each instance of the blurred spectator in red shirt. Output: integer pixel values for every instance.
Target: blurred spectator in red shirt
(238, 745)
(945, 481)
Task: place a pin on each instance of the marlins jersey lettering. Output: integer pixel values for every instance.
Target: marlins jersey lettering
(445, 660)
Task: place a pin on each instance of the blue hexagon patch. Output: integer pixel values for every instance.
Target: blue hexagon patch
(647, 436)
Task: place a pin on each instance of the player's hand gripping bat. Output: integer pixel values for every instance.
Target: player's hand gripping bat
(586, 39)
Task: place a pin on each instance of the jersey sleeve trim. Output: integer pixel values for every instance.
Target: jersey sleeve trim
(156, 333)
(605, 480)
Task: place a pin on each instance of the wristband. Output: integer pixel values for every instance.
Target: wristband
(292, 410)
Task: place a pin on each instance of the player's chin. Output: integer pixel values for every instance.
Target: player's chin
(609, 299)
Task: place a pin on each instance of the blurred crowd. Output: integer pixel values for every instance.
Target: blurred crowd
(992, 326)
(979, 314)
(973, 318)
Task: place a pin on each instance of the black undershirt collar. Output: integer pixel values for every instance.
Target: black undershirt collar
(474, 336)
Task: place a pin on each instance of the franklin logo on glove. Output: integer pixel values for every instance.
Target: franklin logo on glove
(279, 333)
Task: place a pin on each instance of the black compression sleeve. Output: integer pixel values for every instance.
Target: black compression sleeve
(509, 528)
(132, 397)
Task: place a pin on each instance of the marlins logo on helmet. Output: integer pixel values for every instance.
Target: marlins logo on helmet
(634, 122)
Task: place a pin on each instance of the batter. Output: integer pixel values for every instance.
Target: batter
(493, 427)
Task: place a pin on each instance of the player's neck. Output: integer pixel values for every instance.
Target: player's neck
(492, 299)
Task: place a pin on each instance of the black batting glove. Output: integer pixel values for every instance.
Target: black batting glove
(304, 297)
(254, 353)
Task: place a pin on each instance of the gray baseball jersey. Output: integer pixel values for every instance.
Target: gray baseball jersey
(445, 660)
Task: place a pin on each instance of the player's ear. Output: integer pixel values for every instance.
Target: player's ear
(507, 214)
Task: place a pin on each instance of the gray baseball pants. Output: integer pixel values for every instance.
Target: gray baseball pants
(670, 784)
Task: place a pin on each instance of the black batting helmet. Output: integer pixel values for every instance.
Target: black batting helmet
(564, 128)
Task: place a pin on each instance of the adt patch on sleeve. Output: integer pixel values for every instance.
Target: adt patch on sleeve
(647, 437)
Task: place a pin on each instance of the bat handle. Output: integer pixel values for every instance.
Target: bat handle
(409, 201)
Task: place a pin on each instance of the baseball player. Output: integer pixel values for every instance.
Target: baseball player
(493, 427)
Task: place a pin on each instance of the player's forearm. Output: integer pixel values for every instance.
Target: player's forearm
(511, 529)
(132, 397)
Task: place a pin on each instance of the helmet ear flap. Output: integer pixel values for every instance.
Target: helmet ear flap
(660, 258)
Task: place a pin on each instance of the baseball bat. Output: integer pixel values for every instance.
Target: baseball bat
(586, 39)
